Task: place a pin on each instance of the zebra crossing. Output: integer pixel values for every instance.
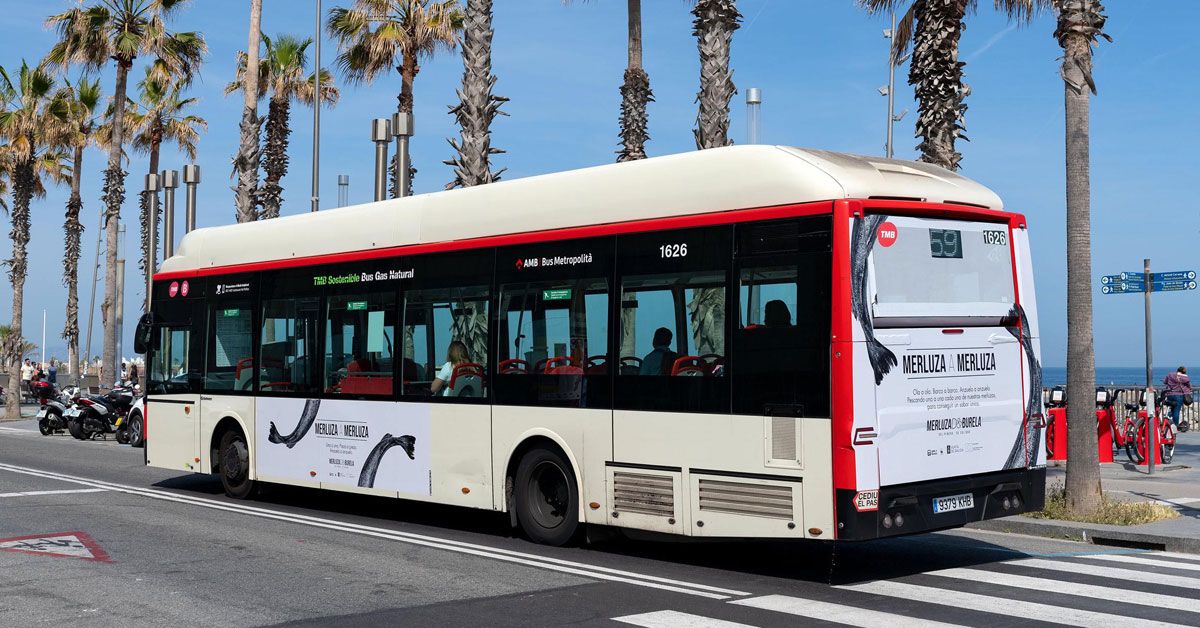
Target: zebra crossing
(1095, 589)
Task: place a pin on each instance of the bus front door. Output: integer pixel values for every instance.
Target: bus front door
(172, 421)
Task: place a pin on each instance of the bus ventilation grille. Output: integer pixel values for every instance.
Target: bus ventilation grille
(783, 438)
(752, 500)
(643, 494)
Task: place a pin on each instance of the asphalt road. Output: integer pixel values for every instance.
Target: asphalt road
(153, 547)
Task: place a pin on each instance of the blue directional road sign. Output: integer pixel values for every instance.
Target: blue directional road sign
(1125, 283)
(1174, 276)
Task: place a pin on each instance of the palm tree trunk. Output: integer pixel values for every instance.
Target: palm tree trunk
(17, 270)
(936, 75)
(114, 196)
(635, 93)
(74, 236)
(713, 27)
(246, 160)
(275, 157)
(477, 106)
(1079, 24)
(149, 259)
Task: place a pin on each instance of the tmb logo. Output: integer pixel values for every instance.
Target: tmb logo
(887, 234)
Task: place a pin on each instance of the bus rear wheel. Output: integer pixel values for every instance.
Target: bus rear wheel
(235, 465)
(546, 497)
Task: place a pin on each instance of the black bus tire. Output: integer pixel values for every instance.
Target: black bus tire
(235, 465)
(546, 497)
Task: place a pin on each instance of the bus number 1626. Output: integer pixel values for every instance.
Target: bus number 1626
(673, 250)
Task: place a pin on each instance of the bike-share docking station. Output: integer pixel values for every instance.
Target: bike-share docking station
(1146, 282)
(1056, 429)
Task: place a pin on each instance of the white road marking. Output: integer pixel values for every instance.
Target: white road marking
(1003, 607)
(521, 558)
(1191, 557)
(1070, 588)
(65, 491)
(1109, 572)
(1141, 560)
(840, 613)
(676, 619)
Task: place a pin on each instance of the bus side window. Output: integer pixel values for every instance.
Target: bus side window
(672, 341)
(360, 342)
(781, 342)
(288, 345)
(445, 343)
(230, 348)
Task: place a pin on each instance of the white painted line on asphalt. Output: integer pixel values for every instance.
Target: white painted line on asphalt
(532, 560)
(1139, 560)
(676, 619)
(65, 491)
(1191, 557)
(1109, 572)
(1069, 588)
(1005, 608)
(840, 613)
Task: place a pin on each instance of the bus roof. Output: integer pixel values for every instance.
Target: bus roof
(697, 182)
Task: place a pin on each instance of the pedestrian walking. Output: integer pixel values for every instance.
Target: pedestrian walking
(133, 373)
(52, 372)
(1178, 390)
(26, 376)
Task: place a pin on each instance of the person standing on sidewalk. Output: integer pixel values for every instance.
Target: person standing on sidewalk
(1177, 385)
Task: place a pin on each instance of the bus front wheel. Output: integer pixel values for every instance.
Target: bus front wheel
(546, 497)
(235, 465)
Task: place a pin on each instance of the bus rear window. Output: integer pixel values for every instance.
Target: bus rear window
(923, 268)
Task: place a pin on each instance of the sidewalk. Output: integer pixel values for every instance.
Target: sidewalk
(28, 411)
(1176, 484)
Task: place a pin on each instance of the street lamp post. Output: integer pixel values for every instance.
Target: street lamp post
(170, 181)
(381, 135)
(316, 156)
(402, 129)
(191, 178)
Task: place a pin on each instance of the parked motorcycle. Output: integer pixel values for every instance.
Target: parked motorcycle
(51, 416)
(102, 414)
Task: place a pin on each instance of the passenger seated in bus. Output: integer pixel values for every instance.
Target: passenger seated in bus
(455, 355)
(777, 314)
(659, 361)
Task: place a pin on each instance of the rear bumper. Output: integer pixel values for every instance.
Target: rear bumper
(914, 503)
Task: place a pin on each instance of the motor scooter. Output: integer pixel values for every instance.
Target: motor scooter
(102, 414)
(51, 416)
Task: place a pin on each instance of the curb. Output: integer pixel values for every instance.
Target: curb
(1094, 533)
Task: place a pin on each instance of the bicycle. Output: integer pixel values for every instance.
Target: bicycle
(1126, 436)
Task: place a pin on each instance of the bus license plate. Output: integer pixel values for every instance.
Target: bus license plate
(953, 502)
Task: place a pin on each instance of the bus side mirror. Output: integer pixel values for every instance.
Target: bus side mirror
(142, 335)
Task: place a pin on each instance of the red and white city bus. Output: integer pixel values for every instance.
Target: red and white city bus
(753, 341)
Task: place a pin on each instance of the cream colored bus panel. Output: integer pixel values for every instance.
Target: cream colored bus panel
(213, 408)
(585, 436)
(173, 421)
(745, 507)
(646, 499)
(462, 457)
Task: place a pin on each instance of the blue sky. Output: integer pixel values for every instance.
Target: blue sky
(818, 63)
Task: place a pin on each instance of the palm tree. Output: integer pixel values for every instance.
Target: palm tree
(376, 35)
(281, 74)
(245, 163)
(477, 105)
(81, 100)
(160, 118)
(635, 91)
(1080, 25)
(119, 31)
(34, 125)
(934, 28)
(713, 27)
